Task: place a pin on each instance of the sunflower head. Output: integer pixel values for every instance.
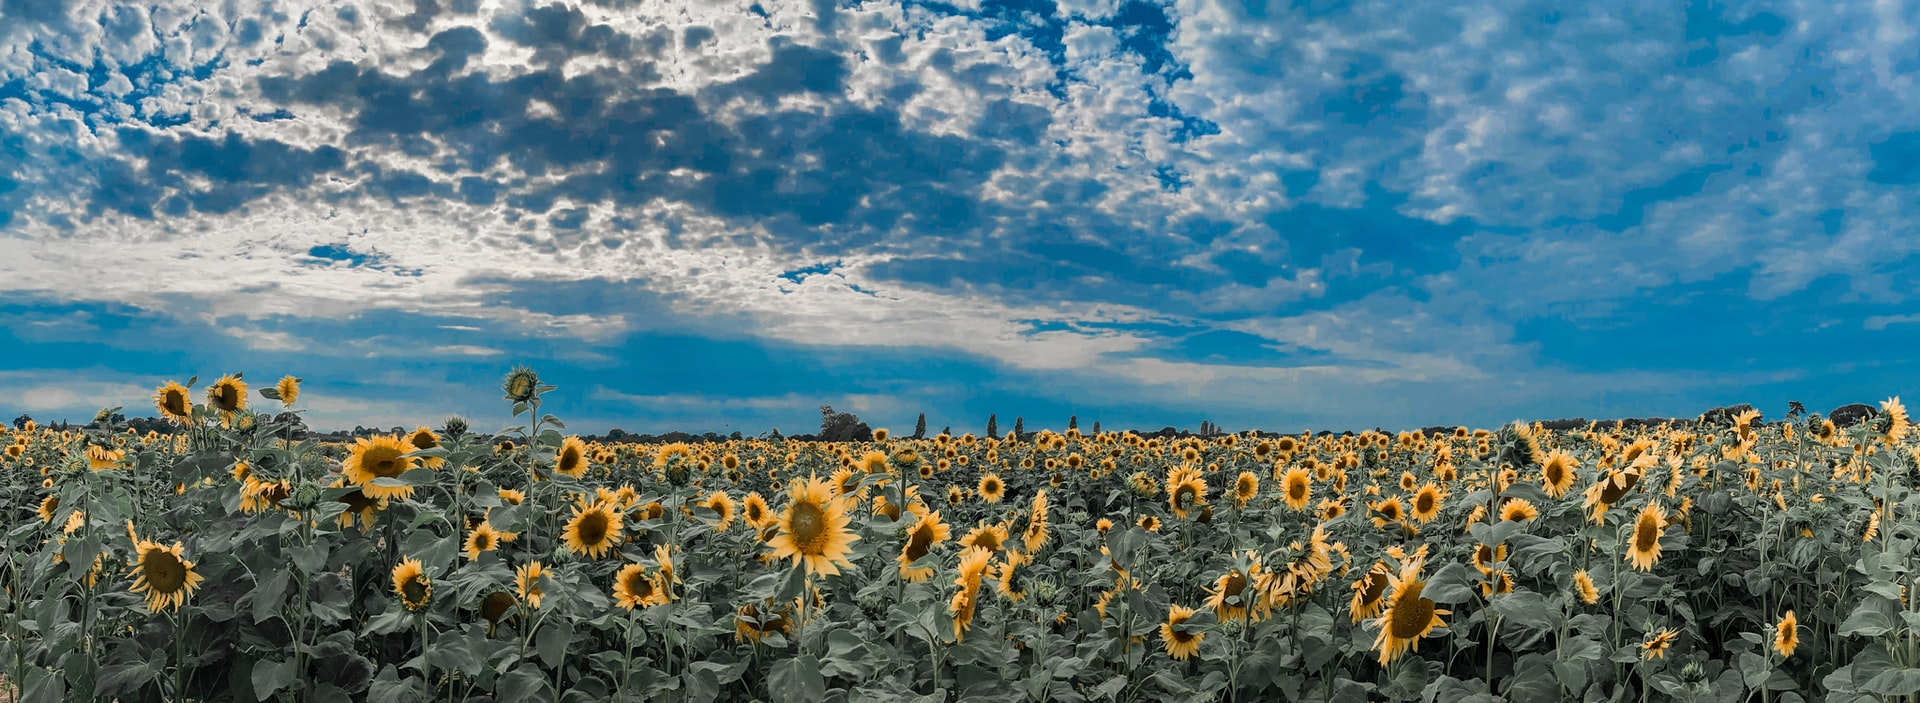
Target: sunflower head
(527, 580)
(522, 385)
(227, 395)
(633, 588)
(572, 458)
(1786, 635)
(380, 456)
(411, 583)
(173, 403)
(594, 530)
(1180, 643)
(991, 488)
(287, 391)
(162, 573)
(813, 528)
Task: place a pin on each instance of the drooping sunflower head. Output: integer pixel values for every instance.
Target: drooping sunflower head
(227, 395)
(411, 583)
(163, 574)
(380, 456)
(1180, 643)
(1369, 592)
(750, 624)
(496, 607)
(1656, 644)
(594, 530)
(1228, 597)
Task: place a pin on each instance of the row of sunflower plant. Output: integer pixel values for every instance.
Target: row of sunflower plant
(231, 561)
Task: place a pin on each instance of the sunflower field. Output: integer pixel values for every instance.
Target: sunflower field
(230, 561)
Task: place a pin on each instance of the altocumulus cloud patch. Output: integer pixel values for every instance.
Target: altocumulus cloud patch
(1154, 210)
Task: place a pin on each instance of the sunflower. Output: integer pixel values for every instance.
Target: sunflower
(989, 537)
(1644, 548)
(162, 573)
(1556, 473)
(1786, 635)
(813, 529)
(720, 502)
(1427, 503)
(925, 534)
(1387, 512)
(1102, 525)
(1408, 617)
(511, 496)
(526, 579)
(749, 625)
(571, 459)
(380, 456)
(1035, 536)
(1518, 510)
(594, 530)
(972, 567)
(1228, 596)
(1368, 592)
(754, 511)
(991, 488)
(1180, 643)
(227, 396)
(411, 583)
(1186, 494)
(1897, 422)
(1012, 586)
(173, 402)
(1583, 585)
(1655, 646)
(1245, 487)
(288, 389)
(47, 507)
(359, 506)
(633, 588)
(1150, 523)
(424, 438)
(482, 538)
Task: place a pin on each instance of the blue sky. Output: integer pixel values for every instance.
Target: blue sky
(720, 215)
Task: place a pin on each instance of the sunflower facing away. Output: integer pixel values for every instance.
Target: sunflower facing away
(1644, 548)
(926, 534)
(813, 528)
(1035, 536)
(1180, 644)
(163, 574)
(594, 530)
(1409, 616)
(972, 567)
(173, 403)
(288, 389)
(380, 456)
(410, 582)
(1583, 584)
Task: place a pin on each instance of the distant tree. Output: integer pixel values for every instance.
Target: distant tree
(920, 427)
(842, 427)
(20, 423)
(947, 431)
(1019, 428)
(1096, 427)
(1073, 422)
(775, 435)
(993, 426)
